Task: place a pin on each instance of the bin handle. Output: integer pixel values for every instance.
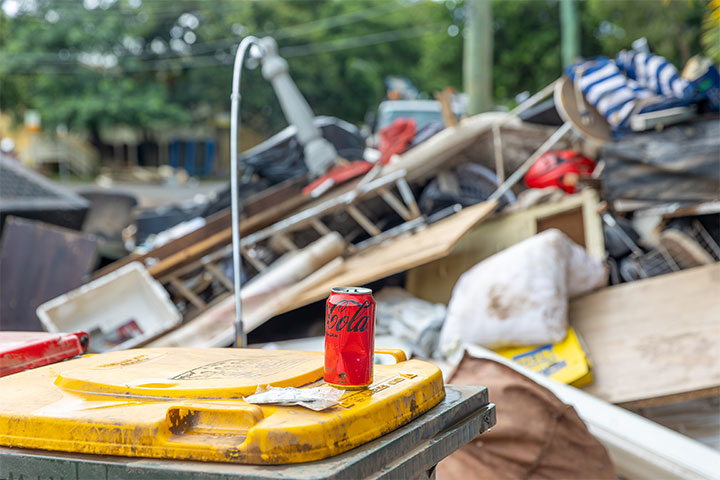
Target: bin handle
(396, 353)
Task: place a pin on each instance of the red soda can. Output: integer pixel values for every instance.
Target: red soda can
(349, 338)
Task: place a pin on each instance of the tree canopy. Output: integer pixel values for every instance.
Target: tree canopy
(147, 63)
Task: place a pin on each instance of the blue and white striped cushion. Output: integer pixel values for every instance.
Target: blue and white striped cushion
(654, 73)
(608, 90)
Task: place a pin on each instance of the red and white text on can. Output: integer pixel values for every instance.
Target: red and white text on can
(349, 337)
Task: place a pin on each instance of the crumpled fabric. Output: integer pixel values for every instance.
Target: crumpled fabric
(537, 436)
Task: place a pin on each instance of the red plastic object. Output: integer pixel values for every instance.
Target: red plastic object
(24, 350)
(339, 174)
(553, 167)
(395, 138)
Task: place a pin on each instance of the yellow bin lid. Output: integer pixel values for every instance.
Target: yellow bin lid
(187, 404)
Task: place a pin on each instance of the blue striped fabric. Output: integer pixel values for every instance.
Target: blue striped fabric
(635, 83)
(654, 73)
(606, 88)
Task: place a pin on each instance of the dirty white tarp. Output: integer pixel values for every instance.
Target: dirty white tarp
(520, 295)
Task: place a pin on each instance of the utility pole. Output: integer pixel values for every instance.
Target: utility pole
(570, 31)
(478, 55)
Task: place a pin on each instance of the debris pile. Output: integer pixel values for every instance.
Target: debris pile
(586, 251)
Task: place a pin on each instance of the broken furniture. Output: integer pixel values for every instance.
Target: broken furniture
(266, 295)
(195, 270)
(39, 262)
(378, 261)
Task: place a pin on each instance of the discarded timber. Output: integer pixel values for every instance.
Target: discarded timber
(653, 341)
(270, 207)
(575, 215)
(401, 253)
(213, 328)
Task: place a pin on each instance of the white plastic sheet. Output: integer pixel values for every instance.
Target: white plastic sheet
(410, 319)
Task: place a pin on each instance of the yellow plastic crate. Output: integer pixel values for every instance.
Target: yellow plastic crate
(186, 404)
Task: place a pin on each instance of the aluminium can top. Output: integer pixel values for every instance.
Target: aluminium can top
(352, 290)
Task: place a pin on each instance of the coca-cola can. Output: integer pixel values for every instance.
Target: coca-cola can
(349, 337)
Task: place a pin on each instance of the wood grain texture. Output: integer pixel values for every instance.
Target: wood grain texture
(434, 281)
(655, 339)
(401, 253)
(39, 262)
(396, 255)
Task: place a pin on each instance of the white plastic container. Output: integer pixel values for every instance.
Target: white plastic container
(119, 310)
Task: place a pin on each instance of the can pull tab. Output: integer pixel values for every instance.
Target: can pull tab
(396, 353)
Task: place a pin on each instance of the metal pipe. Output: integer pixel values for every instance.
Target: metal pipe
(522, 169)
(245, 44)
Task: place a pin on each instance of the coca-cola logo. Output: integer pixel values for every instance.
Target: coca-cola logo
(349, 315)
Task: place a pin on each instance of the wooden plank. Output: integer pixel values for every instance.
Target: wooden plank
(402, 253)
(275, 195)
(434, 281)
(199, 243)
(187, 293)
(215, 223)
(570, 222)
(653, 339)
(39, 262)
(215, 272)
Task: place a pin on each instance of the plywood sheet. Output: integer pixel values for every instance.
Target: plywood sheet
(654, 340)
(401, 253)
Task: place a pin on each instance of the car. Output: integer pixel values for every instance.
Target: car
(424, 112)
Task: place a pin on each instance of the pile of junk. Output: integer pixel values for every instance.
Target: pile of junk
(563, 253)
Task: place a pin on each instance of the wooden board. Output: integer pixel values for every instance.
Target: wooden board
(653, 341)
(215, 234)
(698, 419)
(434, 281)
(401, 253)
(215, 224)
(39, 262)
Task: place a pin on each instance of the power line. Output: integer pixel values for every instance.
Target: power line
(203, 61)
(279, 34)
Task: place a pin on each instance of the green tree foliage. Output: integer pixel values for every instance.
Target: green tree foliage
(672, 27)
(80, 67)
(711, 31)
(96, 64)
